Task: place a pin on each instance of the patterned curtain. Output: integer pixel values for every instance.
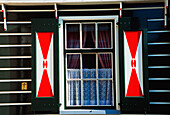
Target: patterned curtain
(105, 86)
(89, 87)
(90, 94)
(73, 86)
(105, 71)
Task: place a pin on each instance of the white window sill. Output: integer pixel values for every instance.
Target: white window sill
(89, 111)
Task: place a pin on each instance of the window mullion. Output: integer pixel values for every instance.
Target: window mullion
(81, 66)
(81, 35)
(97, 82)
(76, 82)
(96, 35)
(81, 70)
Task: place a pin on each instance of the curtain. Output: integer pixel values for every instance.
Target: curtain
(73, 61)
(74, 92)
(105, 92)
(73, 36)
(88, 33)
(89, 87)
(105, 86)
(104, 36)
(105, 60)
(89, 73)
(74, 86)
(105, 70)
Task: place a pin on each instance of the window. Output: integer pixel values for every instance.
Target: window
(89, 64)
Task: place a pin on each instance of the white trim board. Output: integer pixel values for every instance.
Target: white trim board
(71, 2)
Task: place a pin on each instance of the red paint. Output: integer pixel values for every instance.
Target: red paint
(45, 64)
(45, 87)
(133, 63)
(4, 29)
(167, 7)
(134, 88)
(120, 8)
(133, 40)
(4, 18)
(44, 40)
(55, 10)
(2, 10)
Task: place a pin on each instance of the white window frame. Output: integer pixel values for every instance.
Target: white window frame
(61, 62)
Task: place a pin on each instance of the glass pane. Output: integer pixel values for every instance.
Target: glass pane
(73, 66)
(74, 92)
(89, 73)
(89, 65)
(104, 35)
(73, 36)
(105, 92)
(89, 38)
(104, 66)
(89, 94)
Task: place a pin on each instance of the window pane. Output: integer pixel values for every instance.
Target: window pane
(89, 93)
(105, 92)
(89, 65)
(74, 93)
(73, 66)
(88, 38)
(105, 66)
(104, 35)
(73, 36)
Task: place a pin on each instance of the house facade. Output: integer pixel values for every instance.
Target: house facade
(84, 56)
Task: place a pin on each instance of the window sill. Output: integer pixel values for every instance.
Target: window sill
(90, 111)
